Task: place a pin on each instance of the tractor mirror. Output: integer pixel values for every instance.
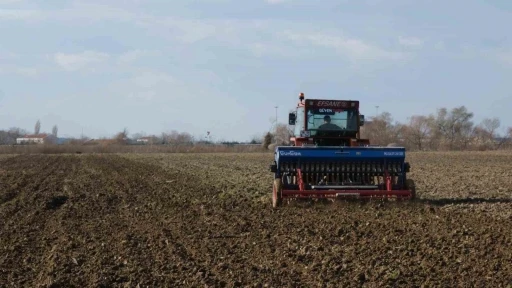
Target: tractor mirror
(291, 118)
(361, 120)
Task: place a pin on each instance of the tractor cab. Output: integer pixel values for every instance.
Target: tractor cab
(326, 123)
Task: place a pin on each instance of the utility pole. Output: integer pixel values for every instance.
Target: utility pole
(377, 107)
(276, 115)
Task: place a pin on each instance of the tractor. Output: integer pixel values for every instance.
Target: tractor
(328, 158)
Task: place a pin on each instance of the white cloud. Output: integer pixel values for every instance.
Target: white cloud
(74, 62)
(410, 41)
(187, 31)
(235, 33)
(354, 49)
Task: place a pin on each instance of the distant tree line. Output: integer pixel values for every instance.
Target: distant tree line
(444, 130)
(123, 137)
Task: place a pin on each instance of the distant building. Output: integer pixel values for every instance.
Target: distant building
(143, 140)
(36, 139)
(146, 140)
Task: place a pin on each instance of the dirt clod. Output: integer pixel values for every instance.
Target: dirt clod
(55, 202)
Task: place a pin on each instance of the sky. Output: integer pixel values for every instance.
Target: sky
(223, 66)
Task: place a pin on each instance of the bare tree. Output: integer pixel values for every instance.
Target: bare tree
(55, 130)
(507, 138)
(484, 134)
(267, 140)
(490, 125)
(6, 138)
(480, 138)
(418, 131)
(455, 126)
(282, 134)
(177, 138)
(17, 132)
(466, 136)
(184, 138)
(122, 137)
(37, 127)
(381, 131)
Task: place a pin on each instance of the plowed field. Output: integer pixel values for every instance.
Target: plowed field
(198, 220)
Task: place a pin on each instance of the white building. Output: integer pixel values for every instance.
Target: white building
(146, 140)
(36, 139)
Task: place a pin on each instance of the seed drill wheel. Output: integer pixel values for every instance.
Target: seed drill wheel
(276, 194)
(411, 186)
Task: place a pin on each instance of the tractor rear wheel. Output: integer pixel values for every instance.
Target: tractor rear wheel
(412, 187)
(276, 193)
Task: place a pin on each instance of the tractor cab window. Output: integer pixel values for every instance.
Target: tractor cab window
(299, 121)
(326, 119)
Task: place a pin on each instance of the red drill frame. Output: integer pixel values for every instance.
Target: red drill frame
(335, 193)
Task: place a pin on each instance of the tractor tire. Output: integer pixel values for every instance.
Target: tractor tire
(276, 193)
(410, 185)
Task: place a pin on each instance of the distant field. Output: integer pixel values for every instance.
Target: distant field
(114, 148)
(174, 220)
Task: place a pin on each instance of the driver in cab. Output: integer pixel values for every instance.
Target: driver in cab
(328, 125)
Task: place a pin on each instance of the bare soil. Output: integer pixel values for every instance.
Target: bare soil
(197, 220)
